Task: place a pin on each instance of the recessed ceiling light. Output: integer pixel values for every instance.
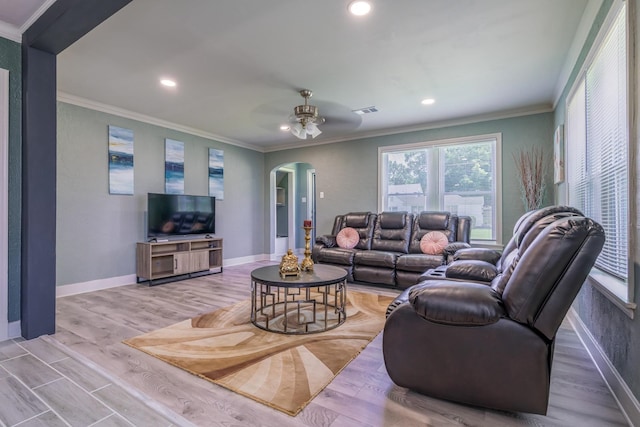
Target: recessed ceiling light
(285, 128)
(428, 101)
(168, 82)
(359, 8)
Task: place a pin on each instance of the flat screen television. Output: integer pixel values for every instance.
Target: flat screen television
(180, 215)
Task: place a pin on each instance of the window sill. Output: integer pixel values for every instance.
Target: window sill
(489, 244)
(614, 290)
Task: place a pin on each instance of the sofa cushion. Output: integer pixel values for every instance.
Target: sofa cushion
(347, 238)
(433, 243)
(418, 263)
(456, 303)
(392, 220)
(376, 258)
(434, 220)
(356, 219)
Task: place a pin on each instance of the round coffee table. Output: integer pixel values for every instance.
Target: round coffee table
(312, 302)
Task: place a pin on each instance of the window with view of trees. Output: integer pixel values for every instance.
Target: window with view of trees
(456, 175)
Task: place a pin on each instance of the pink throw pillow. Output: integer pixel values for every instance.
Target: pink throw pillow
(433, 243)
(348, 238)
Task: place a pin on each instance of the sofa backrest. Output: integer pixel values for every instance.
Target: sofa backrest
(508, 262)
(549, 270)
(392, 232)
(363, 223)
(526, 221)
(426, 221)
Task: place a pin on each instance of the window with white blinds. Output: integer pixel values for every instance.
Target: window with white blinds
(598, 146)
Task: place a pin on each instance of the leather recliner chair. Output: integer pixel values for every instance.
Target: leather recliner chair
(482, 264)
(491, 345)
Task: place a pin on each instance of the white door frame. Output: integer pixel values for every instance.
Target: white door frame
(291, 207)
(4, 204)
(311, 202)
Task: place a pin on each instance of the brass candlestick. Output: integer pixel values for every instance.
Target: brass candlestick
(307, 262)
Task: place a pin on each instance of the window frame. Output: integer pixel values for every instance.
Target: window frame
(453, 141)
(618, 291)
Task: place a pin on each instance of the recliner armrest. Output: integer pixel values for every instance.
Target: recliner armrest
(457, 303)
(483, 254)
(451, 249)
(327, 240)
(471, 270)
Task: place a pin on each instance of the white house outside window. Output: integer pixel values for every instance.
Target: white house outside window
(456, 175)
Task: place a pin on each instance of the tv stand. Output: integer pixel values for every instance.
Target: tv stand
(178, 259)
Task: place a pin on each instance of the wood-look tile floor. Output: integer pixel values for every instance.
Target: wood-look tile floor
(43, 385)
(92, 326)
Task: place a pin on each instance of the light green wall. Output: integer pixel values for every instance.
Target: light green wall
(347, 172)
(97, 232)
(11, 59)
(617, 334)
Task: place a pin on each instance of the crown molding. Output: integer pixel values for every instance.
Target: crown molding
(33, 18)
(10, 32)
(537, 109)
(121, 112)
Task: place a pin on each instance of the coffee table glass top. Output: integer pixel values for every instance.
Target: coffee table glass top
(321, 275)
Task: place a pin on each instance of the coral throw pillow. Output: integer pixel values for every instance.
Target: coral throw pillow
(348, 238)
(433, 243)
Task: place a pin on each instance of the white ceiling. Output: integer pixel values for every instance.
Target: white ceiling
(240, 64)
(18, 13)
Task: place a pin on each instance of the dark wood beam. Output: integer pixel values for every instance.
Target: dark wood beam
(61, 25)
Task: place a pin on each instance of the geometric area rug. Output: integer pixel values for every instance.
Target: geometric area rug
(284, 372)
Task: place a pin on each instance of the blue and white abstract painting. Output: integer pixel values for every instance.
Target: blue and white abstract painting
(120, 160)
(173, 167)
(216, 173)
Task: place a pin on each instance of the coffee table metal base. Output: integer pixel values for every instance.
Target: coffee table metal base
(298, 307)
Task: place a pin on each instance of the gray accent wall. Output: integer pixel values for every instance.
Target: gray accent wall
(615, 332)
(11, 59)
(347, 172)
(97, 232)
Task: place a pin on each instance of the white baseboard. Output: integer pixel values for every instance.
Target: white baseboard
(94, 285)
(619, 388)
(113, 282)
(244, 260)
(15, 330)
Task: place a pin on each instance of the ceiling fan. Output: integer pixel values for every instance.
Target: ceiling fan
(326, 117)
(306, 118)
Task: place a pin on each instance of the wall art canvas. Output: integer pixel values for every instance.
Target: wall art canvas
(173, 167)
(120, 160)
(216, 173)
(558, 155)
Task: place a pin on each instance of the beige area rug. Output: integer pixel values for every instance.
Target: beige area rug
(284, 372)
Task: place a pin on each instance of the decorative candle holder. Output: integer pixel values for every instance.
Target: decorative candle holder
(307, 262)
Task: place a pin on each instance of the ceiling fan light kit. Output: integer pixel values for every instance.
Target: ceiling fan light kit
(306, 118)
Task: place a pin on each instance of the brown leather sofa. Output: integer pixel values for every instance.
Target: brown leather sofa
(491, 344)
(388, 251)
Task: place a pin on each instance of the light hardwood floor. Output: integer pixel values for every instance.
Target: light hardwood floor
(93, 325)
